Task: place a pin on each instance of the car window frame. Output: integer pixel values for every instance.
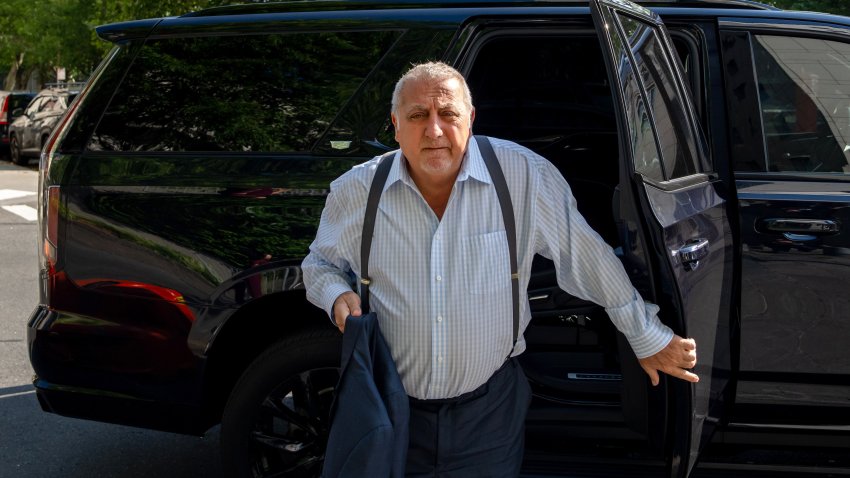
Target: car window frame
(733, 29)
(705, 170)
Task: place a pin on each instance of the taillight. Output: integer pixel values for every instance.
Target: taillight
(4, 125)
(51, 232)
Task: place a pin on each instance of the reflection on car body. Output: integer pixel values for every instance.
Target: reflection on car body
(196, 165)
(30, 130)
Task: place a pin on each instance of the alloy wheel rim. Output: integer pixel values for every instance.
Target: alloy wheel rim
(289, 435)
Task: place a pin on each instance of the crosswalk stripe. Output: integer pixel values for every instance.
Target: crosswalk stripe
(13, 194)
(26, 212)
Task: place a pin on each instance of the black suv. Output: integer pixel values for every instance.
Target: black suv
(180, 195)
(33, 125)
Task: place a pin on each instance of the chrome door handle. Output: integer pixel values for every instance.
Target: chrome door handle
(798, 226)
(691, 252)
(799, 237)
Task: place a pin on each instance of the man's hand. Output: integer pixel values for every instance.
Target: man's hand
(674, 360)
(348, 303)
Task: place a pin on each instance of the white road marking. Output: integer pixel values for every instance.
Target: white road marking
(13, 194)
(26, 212)
(18, 394)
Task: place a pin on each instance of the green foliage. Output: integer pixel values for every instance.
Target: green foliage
(282, 97)
(826, 6)
(40, 35)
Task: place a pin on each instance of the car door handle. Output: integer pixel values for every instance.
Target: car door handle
(798, 227)
(690, 253)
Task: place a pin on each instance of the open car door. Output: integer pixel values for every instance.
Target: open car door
(670, 201)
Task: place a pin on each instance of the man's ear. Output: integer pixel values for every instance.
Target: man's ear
(395, 125)
(471, 117)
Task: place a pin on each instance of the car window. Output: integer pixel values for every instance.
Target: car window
(34, 106)
(676, 141)
(803, 86)
(18, 101)
(48, 104)
(184, 94)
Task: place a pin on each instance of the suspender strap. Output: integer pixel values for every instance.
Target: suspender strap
(375, 190)
(507, 207)
(501, 185)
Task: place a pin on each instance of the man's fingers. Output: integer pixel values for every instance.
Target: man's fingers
(653, 377)
(345, 305)
(653, 374)
(675, 360)
(682, 374)
(353, 303)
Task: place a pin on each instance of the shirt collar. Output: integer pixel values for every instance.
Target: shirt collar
(472, 167)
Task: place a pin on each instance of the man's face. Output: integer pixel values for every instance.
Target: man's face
(432, 126)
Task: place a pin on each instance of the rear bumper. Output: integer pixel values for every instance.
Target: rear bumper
(82, 373)
(102, 406)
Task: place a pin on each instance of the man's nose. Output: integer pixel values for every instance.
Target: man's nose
(434, 130)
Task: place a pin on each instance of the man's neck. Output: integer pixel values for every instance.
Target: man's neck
(435, 191)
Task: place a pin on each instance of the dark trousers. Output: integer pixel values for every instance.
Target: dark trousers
(480, 433)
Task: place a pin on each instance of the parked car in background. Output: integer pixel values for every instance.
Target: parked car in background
(709, 150)
(12, 104)
(30, 130)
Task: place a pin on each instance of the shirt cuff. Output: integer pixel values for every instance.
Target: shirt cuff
(639, 322)
(330, 295)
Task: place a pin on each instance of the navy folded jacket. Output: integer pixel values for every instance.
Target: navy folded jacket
(370, 413)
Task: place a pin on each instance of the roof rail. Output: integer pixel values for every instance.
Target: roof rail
(328, 5)
(67, 85)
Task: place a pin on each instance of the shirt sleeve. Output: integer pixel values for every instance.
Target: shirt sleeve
(588, 268)
(327, 274)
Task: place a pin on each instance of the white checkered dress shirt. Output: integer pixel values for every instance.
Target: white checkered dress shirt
(441, 288)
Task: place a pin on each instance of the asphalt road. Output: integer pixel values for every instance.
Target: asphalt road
(38, 444)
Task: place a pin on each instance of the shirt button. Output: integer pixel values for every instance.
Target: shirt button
(440, 359)
(439, 318)
(439, 278)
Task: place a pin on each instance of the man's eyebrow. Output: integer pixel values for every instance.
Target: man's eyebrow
(415, 108)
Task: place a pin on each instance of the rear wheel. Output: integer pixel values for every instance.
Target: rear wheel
(276, 419)
(15, 151)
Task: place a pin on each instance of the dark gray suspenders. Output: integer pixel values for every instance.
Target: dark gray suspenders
(507, 207)
(384, 165)
(377, 187)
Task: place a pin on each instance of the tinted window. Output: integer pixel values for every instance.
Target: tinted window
(804, 86)
(19, 101)
(246, 93)
(667, 107)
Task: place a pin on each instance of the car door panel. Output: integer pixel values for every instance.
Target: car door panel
(794, 206)
(684, 217)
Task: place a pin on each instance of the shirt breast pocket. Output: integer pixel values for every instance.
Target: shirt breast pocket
(487, 263)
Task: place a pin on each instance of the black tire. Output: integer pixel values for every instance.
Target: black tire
(15, 152)
(276, 422)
